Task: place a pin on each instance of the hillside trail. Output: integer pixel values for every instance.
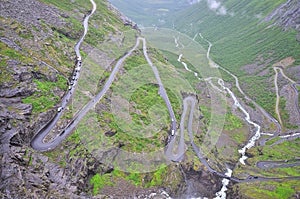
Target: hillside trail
(276, 68)
(237, 84)
(222, 193)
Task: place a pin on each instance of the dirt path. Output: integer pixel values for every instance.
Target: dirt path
(277, 96)
(276, 68)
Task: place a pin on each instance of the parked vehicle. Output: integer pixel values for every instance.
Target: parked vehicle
(173, 132)
(78, 60)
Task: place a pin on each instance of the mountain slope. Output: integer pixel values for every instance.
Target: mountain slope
(37, 62)
(251, 39)
(287, 15)
(243, 41)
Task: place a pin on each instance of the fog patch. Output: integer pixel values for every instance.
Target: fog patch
(214, 5)
(217, 6)
(192, 2)
(222, 11)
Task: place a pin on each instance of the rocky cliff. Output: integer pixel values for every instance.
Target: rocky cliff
(29, 38)
(287, 15)
(36, 59)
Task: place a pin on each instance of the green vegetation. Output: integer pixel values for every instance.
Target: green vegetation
(135, 178)
(12, 54)
(145, 103)
(157, 177)
(144, 98)
(232, 122)
(132, 140)
(238, 40)
(104, 22)
(285, 115)
(262, 95)
(57, 156)
(21, 30)
(235, 129)
(9, 53)
(239, 137)
(276, 190)
(282, 151)
(53, 50)
(286, 150)
(206, 112)
(190, 77)
(76, 140)
(64, 5)
(241, 39)
(44, 98)
(272, 141)
(99, 181)
(134, 126)
(134, 61)
(145, 180)
(56, 51)
(4, 75)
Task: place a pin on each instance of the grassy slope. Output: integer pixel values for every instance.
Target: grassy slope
(107, 23)
(44, 87)
(102, 23)
(104, 20)
(240, 38)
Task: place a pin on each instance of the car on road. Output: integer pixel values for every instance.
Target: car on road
(173, 132)
(78, 60)
(59, 109)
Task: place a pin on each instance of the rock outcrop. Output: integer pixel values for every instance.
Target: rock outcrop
(287, 16)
